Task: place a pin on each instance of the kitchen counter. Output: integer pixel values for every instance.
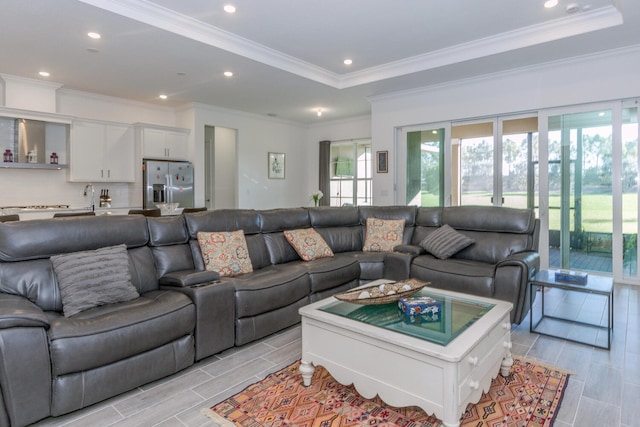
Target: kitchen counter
(42, 212)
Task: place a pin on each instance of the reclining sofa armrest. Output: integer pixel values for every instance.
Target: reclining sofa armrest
(528, 259)
(397, 265)
(215, 316)
(511, 281)
(17, 311)
(410, 249)
(187, 278)
(25, 367)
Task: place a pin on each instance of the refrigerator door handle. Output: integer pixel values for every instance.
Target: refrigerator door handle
(169, 179)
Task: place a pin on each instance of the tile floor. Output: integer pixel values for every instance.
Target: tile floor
(604, 391)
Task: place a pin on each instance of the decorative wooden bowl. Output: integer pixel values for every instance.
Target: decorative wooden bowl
(380, 294)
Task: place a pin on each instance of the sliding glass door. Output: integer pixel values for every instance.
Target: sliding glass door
(424, 150)
(589, 188)
(578, 168)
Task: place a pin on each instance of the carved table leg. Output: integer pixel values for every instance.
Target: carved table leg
(306, 369)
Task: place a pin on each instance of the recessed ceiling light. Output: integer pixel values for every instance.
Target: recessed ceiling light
(348, 62)
(163, 96)
(228, 74)
(94, 35)
(550, 3)
(44, 73)
(319, 112)
(229, 8)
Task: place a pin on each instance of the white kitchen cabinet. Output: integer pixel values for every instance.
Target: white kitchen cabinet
(102, 152)
(163, 143)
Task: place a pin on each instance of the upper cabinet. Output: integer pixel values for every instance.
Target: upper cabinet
(30, 140)
(159, 142)
(102, 152)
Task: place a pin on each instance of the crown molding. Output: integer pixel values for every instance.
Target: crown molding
(599, 56)
(166, 19)
(511, 40)
(169, 20)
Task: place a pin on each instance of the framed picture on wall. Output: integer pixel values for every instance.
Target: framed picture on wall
(276, 165)
(383, 161)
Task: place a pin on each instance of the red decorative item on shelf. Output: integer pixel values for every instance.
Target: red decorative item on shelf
(53, 159)
(8, 156)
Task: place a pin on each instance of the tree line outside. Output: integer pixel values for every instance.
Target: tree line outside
(476, 176)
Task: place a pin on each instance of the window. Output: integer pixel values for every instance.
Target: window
(350, 166)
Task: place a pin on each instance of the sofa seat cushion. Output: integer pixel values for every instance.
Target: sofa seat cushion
(269, 288)
(457, 275)
(328, 273)
(109, 333)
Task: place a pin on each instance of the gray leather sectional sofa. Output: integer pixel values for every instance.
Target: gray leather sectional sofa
(51, 364)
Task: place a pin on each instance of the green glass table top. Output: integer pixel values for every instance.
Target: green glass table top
(456, 315)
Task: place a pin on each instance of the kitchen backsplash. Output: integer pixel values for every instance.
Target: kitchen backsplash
(28, 187)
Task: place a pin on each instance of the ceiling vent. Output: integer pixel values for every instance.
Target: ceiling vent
(573, 7)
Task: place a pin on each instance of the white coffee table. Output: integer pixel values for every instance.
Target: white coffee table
(440, 367)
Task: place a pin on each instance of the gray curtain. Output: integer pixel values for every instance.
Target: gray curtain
(323, 168)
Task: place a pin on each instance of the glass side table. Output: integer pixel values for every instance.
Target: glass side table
(596, 285)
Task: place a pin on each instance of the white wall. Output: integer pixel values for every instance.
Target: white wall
(225, 182)
(256, 137)
(608, 76)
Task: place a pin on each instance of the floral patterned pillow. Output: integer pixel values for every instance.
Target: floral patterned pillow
(383, 235)
(308, 244)
(225, 252)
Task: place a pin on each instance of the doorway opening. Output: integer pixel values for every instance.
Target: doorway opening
(221, 167)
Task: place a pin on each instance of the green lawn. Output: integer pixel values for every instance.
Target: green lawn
(597, 210)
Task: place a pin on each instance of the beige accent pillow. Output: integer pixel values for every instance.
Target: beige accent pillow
(382, 235)
(308, 244)
(225, 252)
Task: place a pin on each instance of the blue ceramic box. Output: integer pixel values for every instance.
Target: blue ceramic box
(576, 277)
(420, 310)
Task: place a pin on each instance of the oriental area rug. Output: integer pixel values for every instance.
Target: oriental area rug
(529, 397)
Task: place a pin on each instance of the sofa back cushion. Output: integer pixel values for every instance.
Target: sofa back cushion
(273, 223)
(169, 242)
(497, 232)
(339, 226)
(247, 220)
(23, 240)
(25, 268)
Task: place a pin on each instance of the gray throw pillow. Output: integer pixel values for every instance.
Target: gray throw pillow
(92, 278)
(445, 242)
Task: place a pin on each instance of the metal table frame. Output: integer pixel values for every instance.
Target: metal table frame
(595, 285)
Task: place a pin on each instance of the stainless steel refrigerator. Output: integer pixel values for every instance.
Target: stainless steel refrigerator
(167, 182)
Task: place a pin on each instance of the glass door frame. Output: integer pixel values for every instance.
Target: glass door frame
(616, 108)
(496, 196)
(400, 178)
